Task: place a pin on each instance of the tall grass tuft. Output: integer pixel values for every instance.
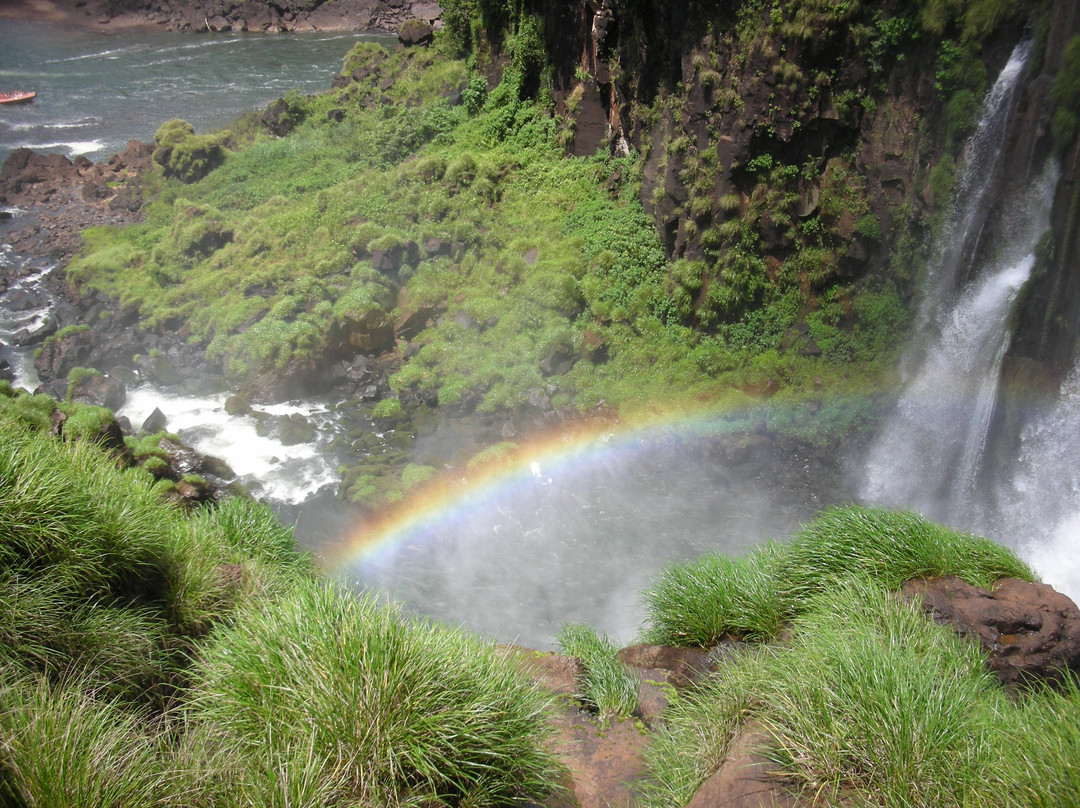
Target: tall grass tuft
(716, 597)
(101, 580)
(871, 695)
(891, 547)
(60, 746)
(606, 686)
(394, 710)
(868, 699)
(1042, 766)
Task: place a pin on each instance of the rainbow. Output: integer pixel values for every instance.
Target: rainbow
(577, 448)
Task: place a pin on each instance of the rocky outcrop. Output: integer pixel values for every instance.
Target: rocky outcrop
(66, 196)
(1029, 632)
(604, 760)
(384, 16)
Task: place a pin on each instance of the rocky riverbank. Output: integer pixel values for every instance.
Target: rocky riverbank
(371, 16)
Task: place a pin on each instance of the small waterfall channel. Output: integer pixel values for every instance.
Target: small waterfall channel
(932, 454)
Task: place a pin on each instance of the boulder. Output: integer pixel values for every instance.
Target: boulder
(1029, 631)
(61, 354)
(101, 391)
(416, 32)
(155, 422)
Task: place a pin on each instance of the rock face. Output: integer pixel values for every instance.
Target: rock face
(282, 15)
(1029, 631)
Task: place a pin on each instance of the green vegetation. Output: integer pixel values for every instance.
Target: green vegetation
(151, 656)
(155, 657)
(546, 278)
(1065, 94)
(606, 686)
(394, 710)
(865, 700)
(752, 597)
(871, 701)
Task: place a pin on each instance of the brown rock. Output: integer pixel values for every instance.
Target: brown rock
(676, 666)
(1030, 631)
(743, 780)
(604, 760)
(415, 32)
(554, 672)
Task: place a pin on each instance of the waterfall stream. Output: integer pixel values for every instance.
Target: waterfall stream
(931, 453)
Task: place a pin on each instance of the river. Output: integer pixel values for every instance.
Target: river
(96, 90)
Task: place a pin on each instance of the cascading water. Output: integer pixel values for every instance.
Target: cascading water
(960, 239)
(1041, 501)
(931, 454)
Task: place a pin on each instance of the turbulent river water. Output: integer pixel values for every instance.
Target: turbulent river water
(572, 536)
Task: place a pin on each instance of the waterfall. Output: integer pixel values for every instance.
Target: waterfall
(960, 238)
(930, 454)
(1040, 503)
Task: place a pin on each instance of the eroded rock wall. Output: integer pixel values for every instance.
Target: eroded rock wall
(800, 145)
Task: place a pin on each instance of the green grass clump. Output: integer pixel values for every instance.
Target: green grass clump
(890, 547)
(715, 597)
(102, 581)
(61, 745)
(155, 657)
(868, 700)
(606, 686)
(394, 710)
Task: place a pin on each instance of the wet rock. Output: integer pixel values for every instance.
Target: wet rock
(435, 247)
(56, 388)
(155, 422)
(279, 118)
(100, 391)
(372, 333)
(556, 673)
(416, 32)
(158, 369)
(237, 405)
(295, 428)
(678, 667)
(1029, 631)
(61, 354)
(745, 778)
(557, 361)
(182, 459)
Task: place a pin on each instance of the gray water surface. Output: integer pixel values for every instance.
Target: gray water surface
(96, 90)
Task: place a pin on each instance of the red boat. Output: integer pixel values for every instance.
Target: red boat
(17, 95)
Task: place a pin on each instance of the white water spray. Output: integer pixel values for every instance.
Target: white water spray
(270, 468)
(930, 456)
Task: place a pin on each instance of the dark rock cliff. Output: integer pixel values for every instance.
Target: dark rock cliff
(812, 145)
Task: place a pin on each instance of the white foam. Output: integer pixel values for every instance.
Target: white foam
(73, 148)
(288, 474)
